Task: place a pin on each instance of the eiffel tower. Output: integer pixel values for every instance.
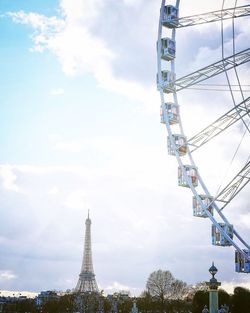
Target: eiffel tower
(86, 281)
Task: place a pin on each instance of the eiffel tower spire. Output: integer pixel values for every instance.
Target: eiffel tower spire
(86, 281)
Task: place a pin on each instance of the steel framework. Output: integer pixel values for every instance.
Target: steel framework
(213, 70)
(222, 123)
(235, 185)
(214, 16)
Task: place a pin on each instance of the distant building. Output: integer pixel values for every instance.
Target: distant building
(46, 296)
(11, 299)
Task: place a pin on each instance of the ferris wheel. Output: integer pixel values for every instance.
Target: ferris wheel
(205, 205)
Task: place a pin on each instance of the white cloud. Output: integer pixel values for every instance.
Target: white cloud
(229, 286)
(54, 191)
(245, 220)
(57, 92)
(133, 2)
(119, 287)
(83, 45)
(45, 27)
(87, 10)
(68, 146)
(116, 286)
(128, 200)
(69, 38)
(79, 50)
(9, 293)
(77, 200)
(7, 275)
(9, 178)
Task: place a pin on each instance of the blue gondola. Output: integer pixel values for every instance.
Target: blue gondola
(172, 112)
(218, 239)
(198, 209)
(181, 145)
(167, 49)
(242, 264)
(191, 172)
(167, 83)
(170, 16)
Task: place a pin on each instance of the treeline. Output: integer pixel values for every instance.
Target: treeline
(238, 302)
(163, 293)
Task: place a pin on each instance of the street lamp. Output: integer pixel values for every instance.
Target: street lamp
(213, 285)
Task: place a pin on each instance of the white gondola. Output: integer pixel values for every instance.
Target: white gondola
(198, 209)
(191, 172)
(170, 16)
(242, 264)
(172, 112)
(219, 239)
(180, 145)
(167, 84)
(167, 49)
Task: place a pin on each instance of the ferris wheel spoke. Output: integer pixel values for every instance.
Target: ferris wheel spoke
(212, 70)
(221, 124)
(210, 17)
(239, 181)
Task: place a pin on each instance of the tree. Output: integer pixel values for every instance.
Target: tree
(224, 297)
(159, 285)
(179, 290)
(200, 299)
(240, 300)
(200, 286)
(20, 306)
(106, 305)
(124, 305)
(145, 302)
(163, 286)
(87, 302)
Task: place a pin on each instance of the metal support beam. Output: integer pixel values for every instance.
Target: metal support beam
(213, 16)
(213, 70)
(221, 124)
(235, 186)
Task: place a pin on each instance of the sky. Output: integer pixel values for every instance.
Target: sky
(80, 130)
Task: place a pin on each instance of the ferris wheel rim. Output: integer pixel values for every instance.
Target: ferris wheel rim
(192, 162)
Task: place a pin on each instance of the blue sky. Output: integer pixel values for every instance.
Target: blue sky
(80, 130)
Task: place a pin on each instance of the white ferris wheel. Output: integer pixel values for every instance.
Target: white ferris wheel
(205, 205)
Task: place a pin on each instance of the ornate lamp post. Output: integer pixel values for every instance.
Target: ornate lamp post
(213, 285)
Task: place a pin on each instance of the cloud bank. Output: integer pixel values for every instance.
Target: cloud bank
(131, 184)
